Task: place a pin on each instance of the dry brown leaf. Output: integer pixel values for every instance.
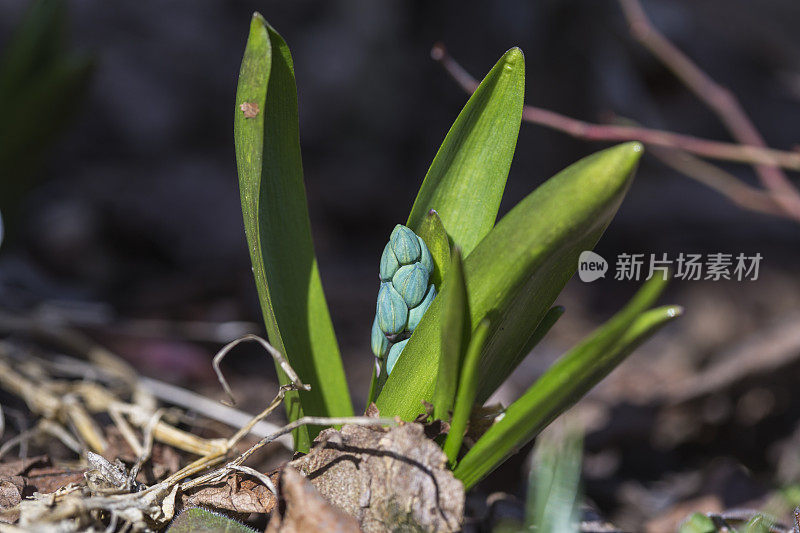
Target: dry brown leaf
(386, 479)
(10, 496)
(21, 478)
(306, 511)
(237, 494)
(249, 109)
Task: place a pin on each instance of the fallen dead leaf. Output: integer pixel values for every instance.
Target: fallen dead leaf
(249, 109)
(19, 479)
(385, 478)
(237, 493)
(305, 510)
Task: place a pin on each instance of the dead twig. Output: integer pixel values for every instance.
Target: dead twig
(218, 474)
(674, 149)
(739, 153)
(263, 478)
(718, 98)
(284, 364)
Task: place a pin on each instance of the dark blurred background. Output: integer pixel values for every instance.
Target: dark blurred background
(135, 210)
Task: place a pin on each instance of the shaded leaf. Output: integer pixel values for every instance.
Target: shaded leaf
(566, 381)
(466, 180)
(279, 231)
(467, 389)
(454, 338)
(42, 85)
(433, 232)
(201, 520)
(516, 272)
(553, 483)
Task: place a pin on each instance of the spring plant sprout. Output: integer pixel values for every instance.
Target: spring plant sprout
(461, 297)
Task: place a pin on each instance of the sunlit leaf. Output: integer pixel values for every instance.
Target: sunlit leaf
(698, 523)
(566, 381)
(278, 228)
(516, 272)
(466, 180)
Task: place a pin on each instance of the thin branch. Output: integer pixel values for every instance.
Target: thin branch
(284, 364)
(218, 474)
(263, 478)
(210, 408)
(718, 98)
(739, 153)
(712, 176)
(723, 182)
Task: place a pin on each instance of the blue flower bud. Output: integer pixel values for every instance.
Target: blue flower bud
(405, 245)
(411, 281)
(389, 264)
(392, 312)
(425, 258)
(380, 344)
(394, 354)
(415, 314)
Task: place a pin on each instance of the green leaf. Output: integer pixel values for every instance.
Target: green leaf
(467, 389)
(758, 524)
(35, 46)
(466, 179)
(454, 338)
(516, 272)
(698, 523)
(279, 231)
(432, 231)
(554, 480)
(199, 520)
(566, 381)
(549, 320)
(42, 84)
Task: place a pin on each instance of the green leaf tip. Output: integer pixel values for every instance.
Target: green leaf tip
(567, 380)
(516, 272)
(466, 179)
(514, 58)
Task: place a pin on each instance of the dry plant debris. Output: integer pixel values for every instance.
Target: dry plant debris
(136, 466)
(305, 510)
(388, 479)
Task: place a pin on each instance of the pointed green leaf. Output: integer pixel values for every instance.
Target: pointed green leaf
(278, 227)
(466, 179)
(516, 272)
(467, 389)
(432, 231)
(758, 524)
(566, 382)
(454, 338)
(698, 523)
(554, 480)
